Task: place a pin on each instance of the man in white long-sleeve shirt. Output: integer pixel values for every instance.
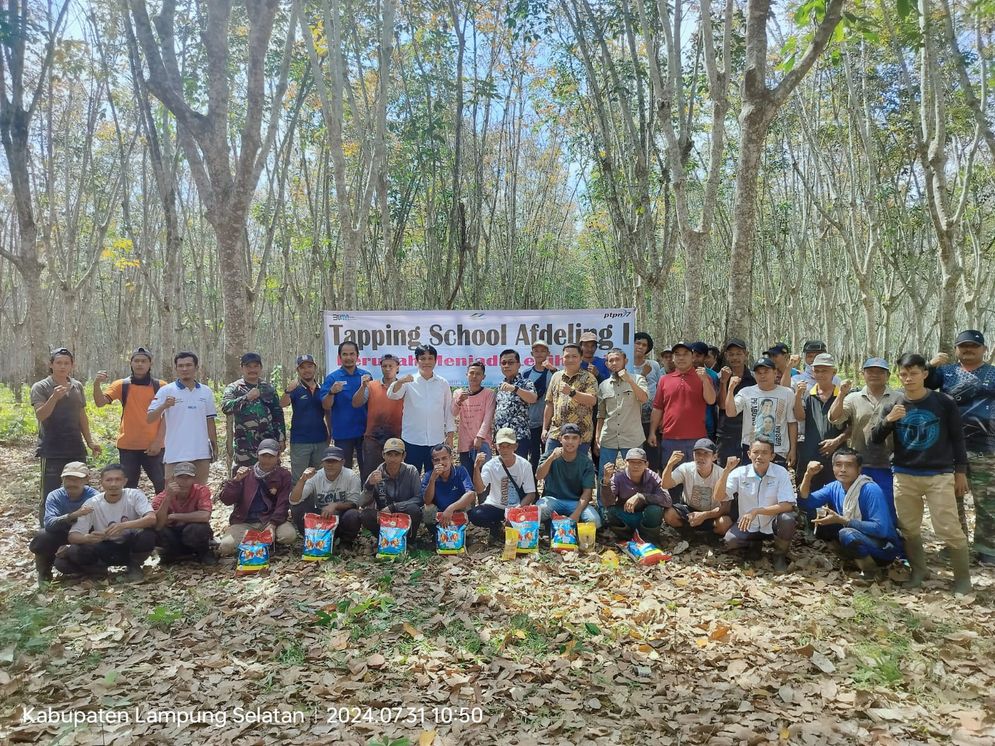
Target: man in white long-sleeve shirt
(428, 417)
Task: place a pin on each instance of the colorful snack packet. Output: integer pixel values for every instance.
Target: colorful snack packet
(526, 520)
(562, 534)
(586, 535)
(319, 536)
(642, 552)
(451, 539)
(393, 534)
(253, 552)
(510, 550)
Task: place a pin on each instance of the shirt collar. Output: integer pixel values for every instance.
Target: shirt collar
(815, 390)
(196, 384)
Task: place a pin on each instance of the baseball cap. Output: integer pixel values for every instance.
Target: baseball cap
(686, 345)
(269, 446)
(735, 343)
(540, 341)
(824, 358)
(970, 336)
(393, 445)
(764, 362)
(699, 347)
(667, 349)
(251, 357)
(876, 362)
(141, 351)
(704, 444)
(778, 348)
(62, 351)
(304, 359)
(184, 468)
(814, 345)
(569, 429)
(588, 337)
(76, 469)
(333, 453)
(635, 454)
(506, 435)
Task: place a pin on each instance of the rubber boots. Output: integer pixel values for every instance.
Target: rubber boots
(959, 563)
(917, 561)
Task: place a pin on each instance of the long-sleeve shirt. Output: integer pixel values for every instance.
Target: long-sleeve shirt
(974, 392)
(404, 488)
(246, 495)
(875, 516)
(476, 417)
(428, 414)
(58, 505)
(622, 488)
(929, 439)
(253, 420)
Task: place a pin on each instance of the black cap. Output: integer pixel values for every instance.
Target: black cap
(971, 337)
(304, 359)
(686, 345)
(141, 351)
(251, 357)
(814, 345)
(333, 453)
(704, 444)
(569, 429)
(735, 343)
(764, 362)
(778, 348)
(63, 351)
(699, 347)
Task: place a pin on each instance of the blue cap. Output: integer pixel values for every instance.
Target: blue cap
(699, 347)
(876, 362)
(778, 348)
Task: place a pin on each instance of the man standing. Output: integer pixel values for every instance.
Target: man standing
(766, 501)
(60, 406)
(572, 397)
(972, 385)
(681, 400)
(569, 481)
(187, 407)
(337, 395)
(634, 498)
(428, 403)
(620, 400)
(474, 406)
(139, 442)
(539, 375)
(511, 404)
(700, 356)
(507, 480)
(383, 414)
(856, 514)
(667, 364)
(254, 412)
(780, 354)
(651, 370)
(62, 507)
(823, 437)
(309, 422)
(332, 491)
(697, 509)
(588, 346)
(858, 412)
(930, 467)
(769, 412)
(730, 429)
(260, 500)
(117, 530)
(183, 518)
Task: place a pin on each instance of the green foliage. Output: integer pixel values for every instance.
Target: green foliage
(28, 623)
(164, 616)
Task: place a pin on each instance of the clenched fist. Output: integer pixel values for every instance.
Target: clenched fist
(897, 412)
(252, 394)
(242, 473)
(101, 376)
(732, 462)
(308, 473)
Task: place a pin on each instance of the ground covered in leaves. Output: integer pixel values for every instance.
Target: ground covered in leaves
(470, 649)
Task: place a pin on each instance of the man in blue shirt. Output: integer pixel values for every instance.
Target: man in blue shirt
(539, 375)
(856, 513)
(62, 507)
(447, 489)
(588, 346)
(309, 421)
(348, 418)
(972, 385)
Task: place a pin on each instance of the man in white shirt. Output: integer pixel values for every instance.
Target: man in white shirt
(769, 412)
(696, 509)
(189, 410)
(765, 500)
(428, 418)
(118, 530)
(332, 491)
(508, 481)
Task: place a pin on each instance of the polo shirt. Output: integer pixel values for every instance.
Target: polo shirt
(566, 408)
(60, 435)
(622, 425)
(428, 412)
(186, 421)
(862, 411)
(568, 479)
(767, 413)
(307, 421)
(348, 422)
(680, 396)
(754, 491)
(449, 490)
(134, 433)
(198, 499)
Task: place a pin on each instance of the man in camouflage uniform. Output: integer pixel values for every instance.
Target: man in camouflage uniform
(972, 385)
(254, 411)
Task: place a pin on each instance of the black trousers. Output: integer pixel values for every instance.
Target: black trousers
(134, 461)
(51, 479)
(184, 538)
(94, 559)
(47, 541)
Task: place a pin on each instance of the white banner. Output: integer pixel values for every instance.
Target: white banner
(464, 336)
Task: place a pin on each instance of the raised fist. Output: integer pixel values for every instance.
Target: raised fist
(366, 379)
(735, 381)
(101, 376)
(479, 460)
(170, 402)
(505, 386)
(814, 467)
(242, 473)
(252, 394)
(308, 473)
(897, 412)
(732, 462)
(726, 373)
(293, 385)
(676, 457)
(408, 379)
(337, 387)
(794, 360)
(846, 387)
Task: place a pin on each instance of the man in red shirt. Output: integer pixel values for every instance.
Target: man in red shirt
(679, 406)
(183, 518)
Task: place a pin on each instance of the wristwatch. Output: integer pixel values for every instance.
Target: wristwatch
(515, 390)
(573, 393)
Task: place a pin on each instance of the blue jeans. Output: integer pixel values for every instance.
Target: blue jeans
(686, 447)
(855, 544)
(550, 505)
(552, 444)
(466, 458)
(419, 457)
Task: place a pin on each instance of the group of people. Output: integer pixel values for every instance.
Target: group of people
(703, 440)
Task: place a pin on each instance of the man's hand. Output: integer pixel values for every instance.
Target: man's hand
(940, 358)
(96, 449)
(745, 520)
(461, 397)
(634, 503)
(95, 537)
(734, 381)
(101, 376)
(960, 484)
(696, 519)
(800, 388)
(829, 518)
(565, 388)
(292, 385)
(478, 443)
(544, 436)
(170, 402)
(575, 516)
(252, 394)
(154, 450)
(794, 360)
(173, 488)
(375, 478)
(675, 458)
(307, 474)
(725, 374)
(651, 439)
(446, 516)
(328, 511)
(242, 473)
(732, 462)
(407, 379)
(365, 380)
(609, 472)
(702, 373)
(80, 512)
(846, 387)
(897, 412)
(337, 387)
(791, 459)
(479, 461)
(813, 467)
(506, 387)
(60, 392)
(829, 445)
(271, 527)
(548, 365)
(115, 530)
(557, 452)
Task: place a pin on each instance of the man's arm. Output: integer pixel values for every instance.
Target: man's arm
(792, 443)
(730, 403)
(547, 465)
(84, 426)
(212, 436)
(99, 397)
(297, 493)
(279, 421)
(799, 405)
(362, 394)
(667, 478)
(719, 493)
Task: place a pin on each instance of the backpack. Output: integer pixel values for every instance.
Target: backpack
(124, 392)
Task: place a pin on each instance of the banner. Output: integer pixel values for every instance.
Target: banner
(464, 336)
